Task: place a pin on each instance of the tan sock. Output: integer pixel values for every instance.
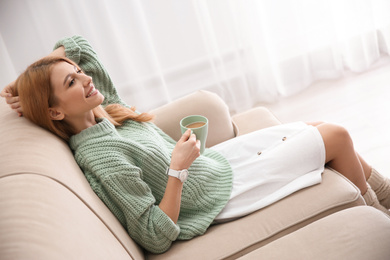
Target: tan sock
(381, 185)
(372, 200)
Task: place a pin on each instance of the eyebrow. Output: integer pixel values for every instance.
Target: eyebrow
(66, 78)
(70, 74)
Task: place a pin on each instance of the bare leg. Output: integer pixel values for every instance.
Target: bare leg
(366, 167)
(341, 155)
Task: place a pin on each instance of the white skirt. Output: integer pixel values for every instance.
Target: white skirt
(270, 164)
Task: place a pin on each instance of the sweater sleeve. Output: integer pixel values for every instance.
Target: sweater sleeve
(119, 185)
(81, 52)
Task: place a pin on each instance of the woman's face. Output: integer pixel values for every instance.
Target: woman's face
(74, 91)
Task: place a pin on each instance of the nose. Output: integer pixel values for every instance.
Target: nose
(86, 80)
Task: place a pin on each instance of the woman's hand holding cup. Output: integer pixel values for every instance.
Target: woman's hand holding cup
(187, 149)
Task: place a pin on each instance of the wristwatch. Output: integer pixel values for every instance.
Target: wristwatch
(181, 175)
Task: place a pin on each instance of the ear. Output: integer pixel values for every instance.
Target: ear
(55, 114)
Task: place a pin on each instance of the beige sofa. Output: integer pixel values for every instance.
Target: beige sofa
(48, 211)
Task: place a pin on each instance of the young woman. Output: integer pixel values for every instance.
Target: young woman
(161, 190)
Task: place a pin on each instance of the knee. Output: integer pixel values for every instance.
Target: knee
(336, 140)
(340, 134)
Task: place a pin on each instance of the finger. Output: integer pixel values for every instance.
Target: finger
(198, 144)
(4, 94)
(5, 91)
(185, 135)
(15, 105)
(11, 99)
(19, 110)
(197, 148)
(193, 137)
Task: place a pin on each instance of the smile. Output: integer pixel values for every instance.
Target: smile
(92, 91)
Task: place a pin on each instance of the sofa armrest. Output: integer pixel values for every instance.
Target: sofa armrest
(254, 119)
(202, 103)
(318, 240)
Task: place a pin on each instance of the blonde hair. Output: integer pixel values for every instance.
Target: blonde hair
(37, 96)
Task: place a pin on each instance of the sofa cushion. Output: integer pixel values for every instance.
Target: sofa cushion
(237, 238)
(202, 103)
(254, 119)
(352, 234)
(43, 219)
(27, 148)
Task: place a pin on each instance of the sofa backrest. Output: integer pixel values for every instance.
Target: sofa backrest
(47, 208)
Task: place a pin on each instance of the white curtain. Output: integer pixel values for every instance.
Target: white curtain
(246, 51)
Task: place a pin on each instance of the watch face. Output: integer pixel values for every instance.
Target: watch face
(183, 175)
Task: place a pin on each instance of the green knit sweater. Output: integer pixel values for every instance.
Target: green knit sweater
(126, 167)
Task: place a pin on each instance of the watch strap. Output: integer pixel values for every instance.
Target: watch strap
(181, 175)
(173, 173)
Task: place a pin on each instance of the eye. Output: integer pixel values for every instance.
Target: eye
(78, 71)
(71, 82)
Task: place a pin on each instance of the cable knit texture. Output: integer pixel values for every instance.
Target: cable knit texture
(372, 200)
(381, 185)
(126, 167)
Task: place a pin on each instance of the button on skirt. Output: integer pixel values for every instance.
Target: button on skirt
(270, 164)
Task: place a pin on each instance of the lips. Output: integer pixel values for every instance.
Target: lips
(91, 91)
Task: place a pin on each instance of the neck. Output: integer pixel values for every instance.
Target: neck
(83, 122)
